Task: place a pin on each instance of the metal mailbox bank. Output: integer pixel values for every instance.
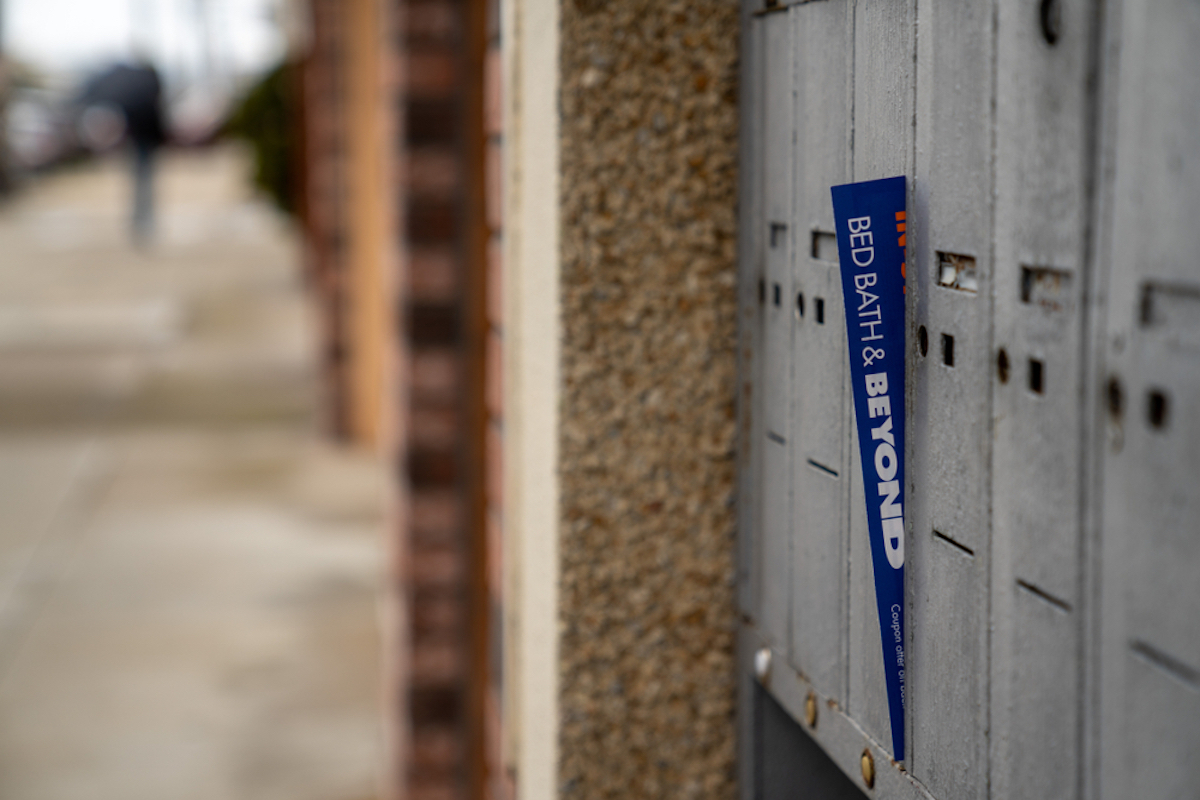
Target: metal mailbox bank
(1052, 323)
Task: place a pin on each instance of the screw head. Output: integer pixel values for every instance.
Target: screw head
(762, 664)
(868, 769)
(810, 710)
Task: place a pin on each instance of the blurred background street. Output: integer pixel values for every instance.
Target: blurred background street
(188, 570)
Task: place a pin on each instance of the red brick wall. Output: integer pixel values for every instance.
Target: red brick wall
(445, 686)
(435, 459)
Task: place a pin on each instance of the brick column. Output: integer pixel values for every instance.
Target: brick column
(434, 458)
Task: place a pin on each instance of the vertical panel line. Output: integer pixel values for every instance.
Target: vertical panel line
(989, 570)
(910, 605)
(848, 448)
(1092, 430)
(789, 23)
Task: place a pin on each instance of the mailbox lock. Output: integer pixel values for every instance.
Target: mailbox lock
(868, 769)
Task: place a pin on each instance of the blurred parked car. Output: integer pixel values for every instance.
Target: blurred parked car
(40, 128)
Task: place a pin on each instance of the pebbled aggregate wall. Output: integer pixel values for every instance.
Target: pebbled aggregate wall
(648, 179)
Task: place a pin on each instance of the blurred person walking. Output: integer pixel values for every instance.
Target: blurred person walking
(135, 91)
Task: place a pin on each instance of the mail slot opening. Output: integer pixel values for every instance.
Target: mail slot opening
(1036, 376)
(1156, 408)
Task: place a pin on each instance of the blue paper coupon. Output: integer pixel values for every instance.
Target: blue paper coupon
(871, 220)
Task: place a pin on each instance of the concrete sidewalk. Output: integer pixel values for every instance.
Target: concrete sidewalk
(188, 573)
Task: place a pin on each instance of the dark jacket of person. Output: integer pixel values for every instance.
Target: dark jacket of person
(137, 91)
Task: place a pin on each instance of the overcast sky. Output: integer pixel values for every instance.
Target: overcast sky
(74, 35)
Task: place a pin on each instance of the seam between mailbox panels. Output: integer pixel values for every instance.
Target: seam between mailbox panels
(990, 568)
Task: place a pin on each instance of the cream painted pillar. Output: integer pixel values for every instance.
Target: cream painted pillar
(531, 401)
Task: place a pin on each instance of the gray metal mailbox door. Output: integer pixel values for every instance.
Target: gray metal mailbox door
(1052, 149)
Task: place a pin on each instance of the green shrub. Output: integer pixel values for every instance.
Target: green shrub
(265, 119)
